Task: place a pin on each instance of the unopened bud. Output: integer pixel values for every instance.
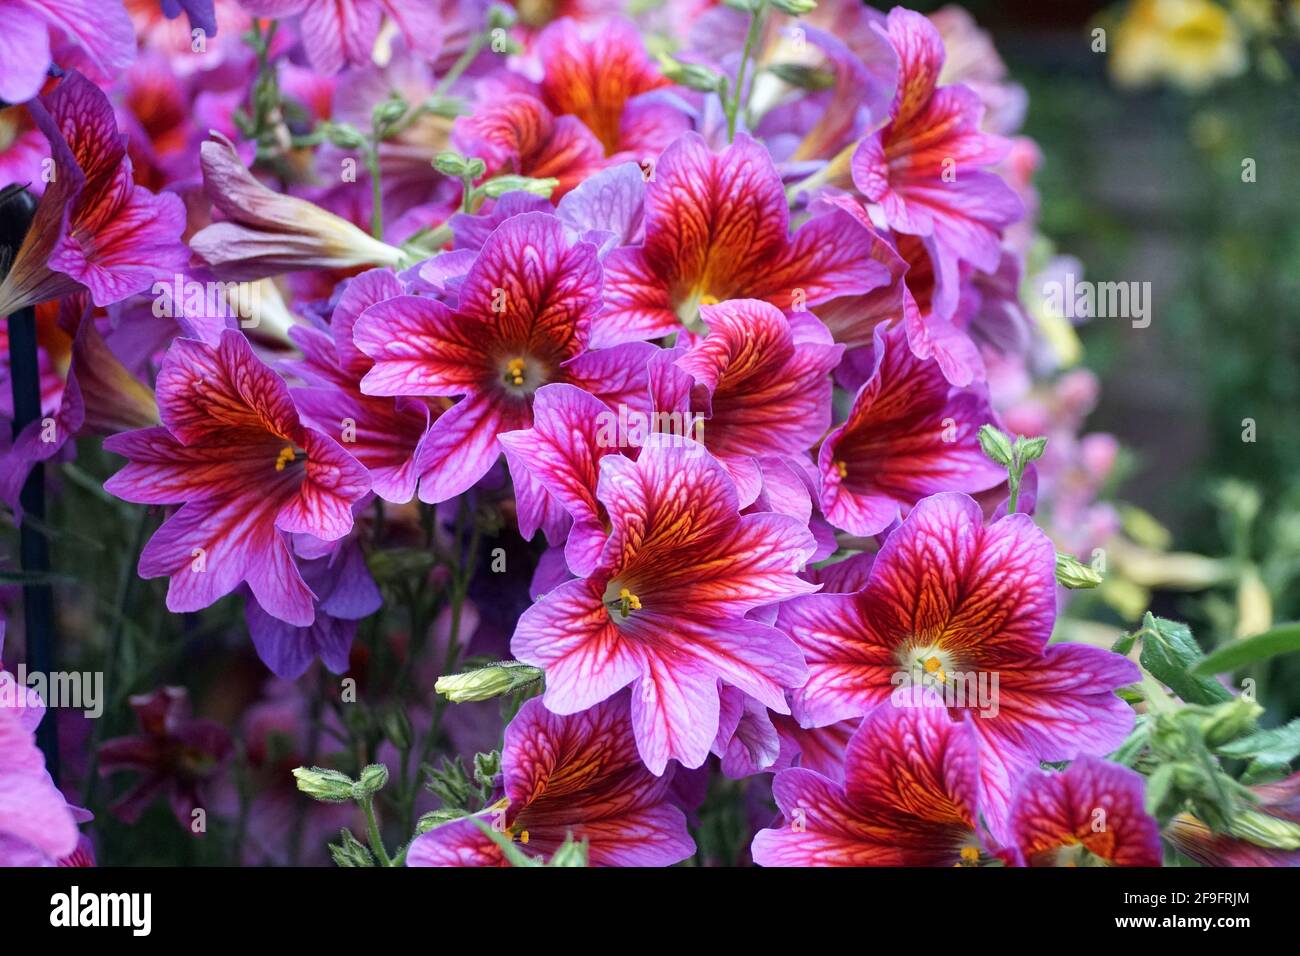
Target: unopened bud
(693, 76)
(796, 8)
(372, 780)
(321, 783)
(350, 852)
(495, 188)
(1073, 574)
(996, 445)
(486, 682)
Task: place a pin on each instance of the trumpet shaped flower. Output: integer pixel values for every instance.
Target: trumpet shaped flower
(667, 609)
(908, 434)
(576, 775)
(909, 797)
(965, 609)
(716, 228)
(1092, 814)
(247, 473)
(93, 227)
(927, 168)
(523, 320)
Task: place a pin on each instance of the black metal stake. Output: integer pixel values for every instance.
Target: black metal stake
(16, 210)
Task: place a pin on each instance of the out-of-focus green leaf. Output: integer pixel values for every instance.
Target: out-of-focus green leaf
(1283, 639)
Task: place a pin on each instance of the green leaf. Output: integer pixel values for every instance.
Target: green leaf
(1284, 639)
(1277, 745)
(1170, 652)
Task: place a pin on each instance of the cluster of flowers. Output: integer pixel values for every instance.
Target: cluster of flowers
(733, 318)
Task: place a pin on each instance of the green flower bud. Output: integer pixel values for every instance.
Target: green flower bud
(486, 767)
(450, 163)
(996, 445)
(796, 8)
(500, 17)
(350, 852)
(373, 778)
(321, 783)
(397, 728)
(1030, 449)
(1230, 720)
(486, 682)
(436, 818)
(1074, 575)
(693, 76)
(1263, 829)
(389, 111)
(569, 853)
(344, 136)
(495, 188)
(450, 784)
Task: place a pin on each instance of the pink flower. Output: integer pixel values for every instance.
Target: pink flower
(926, 167)
(965, 609)
(717, 228)
(339, 33)
(93, 226)
(37, 827)
(1093, 813)
(759, 384)
(908, 434)
(100, 29)
(234, 453)
(576, 775)
(523, 320)
(666, 609)
(909, 797)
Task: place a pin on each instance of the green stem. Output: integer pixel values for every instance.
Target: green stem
(376, 187)
(751, 37)
(462, 64)
(372, 828)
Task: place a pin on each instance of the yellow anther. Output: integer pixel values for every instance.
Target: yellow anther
(970, 854)
(523, 837)
(932, 664)
(843, 468)
(515, 369)
(707, 299)
(286, 455)
(630, 600)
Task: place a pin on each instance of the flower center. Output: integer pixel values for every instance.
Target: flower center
(970, 856)
(843, 468)
(621, 599)
(928, 666)
(287, 456)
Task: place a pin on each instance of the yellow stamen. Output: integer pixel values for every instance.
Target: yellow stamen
(935, 666)
(285, 457)
(970, 854)
(707, 299)
(523, 837)
(515, 369)
(630, 600)
(843, 468)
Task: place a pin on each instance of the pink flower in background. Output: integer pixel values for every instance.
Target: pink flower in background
(173, 755)
(927, 167)
(576, 776)
(666, 608)
(908, 434)
(94, 228)
(339, 33)
(99, 30)
(234, 453)
(37, 826)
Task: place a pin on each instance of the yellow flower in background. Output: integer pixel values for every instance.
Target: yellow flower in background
(1190, 43)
